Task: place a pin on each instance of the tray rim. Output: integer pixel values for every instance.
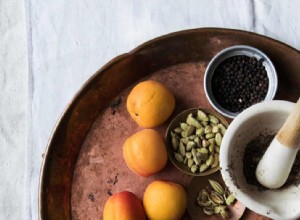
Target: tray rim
(118, 59)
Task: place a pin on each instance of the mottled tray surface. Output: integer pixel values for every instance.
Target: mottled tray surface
(88, 139)
(101, 169)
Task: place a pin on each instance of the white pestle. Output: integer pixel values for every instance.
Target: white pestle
(275, 166)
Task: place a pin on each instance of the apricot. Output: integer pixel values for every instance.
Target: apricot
(145, 152)
(164, 200)
(124, 206)
(150, 104)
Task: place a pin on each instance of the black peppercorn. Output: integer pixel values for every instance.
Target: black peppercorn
(239, 77)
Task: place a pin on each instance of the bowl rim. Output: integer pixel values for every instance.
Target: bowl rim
(263, 107)
(169, 147)
(272, 89)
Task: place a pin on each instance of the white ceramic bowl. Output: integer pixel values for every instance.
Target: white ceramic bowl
(275, 204)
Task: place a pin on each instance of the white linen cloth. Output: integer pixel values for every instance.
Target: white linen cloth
(68, 40)
(13, 105)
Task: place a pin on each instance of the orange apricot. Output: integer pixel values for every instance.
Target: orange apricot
(124, 206)
(145, 152)
(164, 200)
(150, 103)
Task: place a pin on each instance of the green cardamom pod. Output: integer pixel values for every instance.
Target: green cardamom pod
(204, 123)
(207, 129)
(178, 130)
(178, 157)
(200, 131)
(190, 145)
(212, 141)
(203, 150)
(202, 116)
(217, 149)
(190, 130)
(218, 138)
(185, 161)
(184, 126)
(210, 160)
(211, 148)
(173, 134)
(205, 143)
(216, 198)
(213, 119)
(219, 208)
(184, 140)
(182, 149)
(216, 161)
(215, 129)
(216, 186)
(203, 167)
(194, 153)
(197, 141)
(191, 137)
(184, 134)
(230, 199)
(203, 195)
(193, 121)
(175, 143)
(190, 162)
(208, 211)
(188, 155)
(209, 135)
(194, 168)
(222, 128)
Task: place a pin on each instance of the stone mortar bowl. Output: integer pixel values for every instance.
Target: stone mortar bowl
(259, 118)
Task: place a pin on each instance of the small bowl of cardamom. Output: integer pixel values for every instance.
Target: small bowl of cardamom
(193, 141)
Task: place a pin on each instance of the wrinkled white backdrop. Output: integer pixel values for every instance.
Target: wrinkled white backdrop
(65, 41)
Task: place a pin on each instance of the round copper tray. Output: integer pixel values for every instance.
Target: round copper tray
(83, 162)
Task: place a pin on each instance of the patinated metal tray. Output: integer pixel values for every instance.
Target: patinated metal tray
(83, 162)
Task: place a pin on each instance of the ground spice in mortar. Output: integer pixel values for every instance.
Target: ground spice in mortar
(239, 82)
(254, 151)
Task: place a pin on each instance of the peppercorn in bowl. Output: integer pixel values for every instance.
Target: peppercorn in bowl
(239, 77)
(193, 141)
